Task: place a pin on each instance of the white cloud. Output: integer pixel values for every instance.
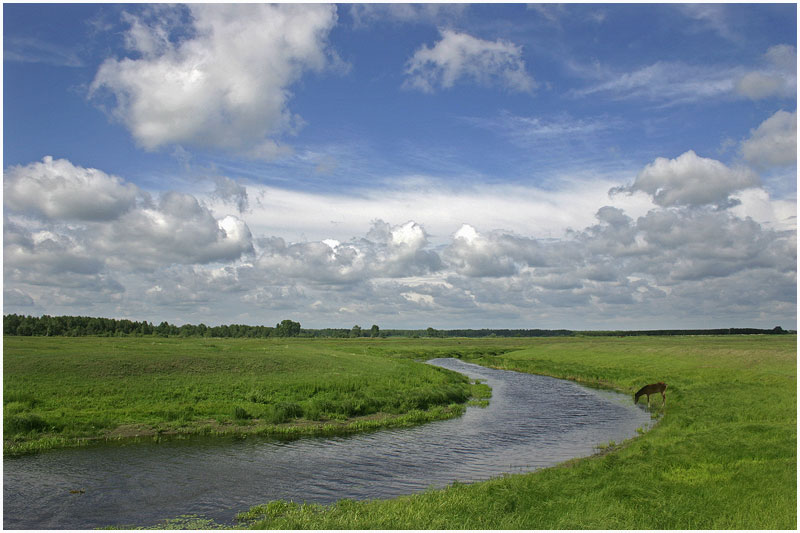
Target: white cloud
(777, 79)
(43, 256)
(31, 50)
(232, 192)
(178, 230)
(57, 189)
(773, 142)
(441, 208)
(713, 16)
(757, 204)
(546, 131)
(366, 14)
(664, 81)
(497, 254)
(385, 252)
(460, 55)
(629, 263)
(691, 180)
(227, 84)
(675, 82)
(85, 220)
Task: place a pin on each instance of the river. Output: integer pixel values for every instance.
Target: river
(531, 422)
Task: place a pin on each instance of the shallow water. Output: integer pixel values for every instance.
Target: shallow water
(532, 422)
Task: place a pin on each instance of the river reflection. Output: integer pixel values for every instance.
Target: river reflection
(532, 422)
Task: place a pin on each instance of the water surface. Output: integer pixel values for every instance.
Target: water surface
(532, 422)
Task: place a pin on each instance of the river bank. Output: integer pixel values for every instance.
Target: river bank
(722, 457)
(531, 422)
(67, 392)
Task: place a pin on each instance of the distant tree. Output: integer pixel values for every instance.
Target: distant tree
(287, 328)
(163, 329)
(431, 332)
(374, 331)
(355, 332)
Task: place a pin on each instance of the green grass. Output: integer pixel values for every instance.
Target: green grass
(60, 391)
(723, 456)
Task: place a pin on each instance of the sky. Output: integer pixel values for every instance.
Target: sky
(578, 166)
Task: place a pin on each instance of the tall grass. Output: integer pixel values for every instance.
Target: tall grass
(722, 457)
(61, 391)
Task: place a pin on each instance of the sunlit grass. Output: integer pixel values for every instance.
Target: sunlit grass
(62, 391)
(722, 457)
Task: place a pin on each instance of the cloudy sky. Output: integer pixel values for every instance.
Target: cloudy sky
(524, 166)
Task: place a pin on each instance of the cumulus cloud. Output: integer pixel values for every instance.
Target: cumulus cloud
(494, 255)
(232, 192)
(460, 55)
(177, 230)
(691, 180)
(681, 258)
(225, 83)
(57, 189)
(45, 255)
(774, 142)
(43, 270)
(777, 78)
(386, 251)
(662, 251)
(85, 221)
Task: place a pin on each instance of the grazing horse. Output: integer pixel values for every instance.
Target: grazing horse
(652, 389)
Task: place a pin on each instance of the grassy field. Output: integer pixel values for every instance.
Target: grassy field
(60, 391)
(724, 456)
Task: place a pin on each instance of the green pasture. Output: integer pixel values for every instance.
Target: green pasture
(724, 455)
(60, 391)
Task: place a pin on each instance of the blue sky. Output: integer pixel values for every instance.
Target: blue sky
(585, 166)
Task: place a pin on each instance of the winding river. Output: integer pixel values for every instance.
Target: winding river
(532, 422)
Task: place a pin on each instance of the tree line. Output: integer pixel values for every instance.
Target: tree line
(79, 326)
(777, 330)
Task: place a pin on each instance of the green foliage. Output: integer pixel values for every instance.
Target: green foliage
(23, 423)
(287, 328)
(78, 326)
(240, 413)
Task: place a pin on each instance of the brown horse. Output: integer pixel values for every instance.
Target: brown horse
(652, 389)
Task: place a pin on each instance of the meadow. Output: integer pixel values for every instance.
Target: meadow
(60, 391)
(723, 455)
